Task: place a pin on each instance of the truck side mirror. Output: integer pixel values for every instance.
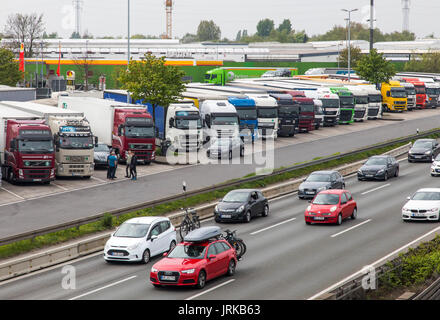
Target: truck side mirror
(120, 130)
(388, 93)
(13, 144)
(171, 122)
(96, 141)
(208, 120)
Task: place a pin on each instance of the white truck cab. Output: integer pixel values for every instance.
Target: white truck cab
(361, 103)
(184, 126)
(410, 95)
(220, 119)
(330, 104)
(267, 115)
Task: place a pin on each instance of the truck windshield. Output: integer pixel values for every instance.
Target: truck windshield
(224, 120)
(330, 103)
(185, 123)
(346, 101)
(247, 114)
(410, 91)
(398, 93)
(374, 98)
(71, 142)
(139, 132)
(420, 90)
(307, 107)
(431, 91)
(288, 110)
(361, 99)
(35, 146)
(267, 112)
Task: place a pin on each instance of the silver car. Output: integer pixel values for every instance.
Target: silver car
(226, 147)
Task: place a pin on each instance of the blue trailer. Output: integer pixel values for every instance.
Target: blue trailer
(247, 114)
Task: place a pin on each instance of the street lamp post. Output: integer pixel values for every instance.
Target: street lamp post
(128, 43)
(349, 43)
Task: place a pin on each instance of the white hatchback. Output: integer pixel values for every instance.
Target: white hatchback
(139, 239)
(423, 205)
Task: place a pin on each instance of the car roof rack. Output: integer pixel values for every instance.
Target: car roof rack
(203, 234)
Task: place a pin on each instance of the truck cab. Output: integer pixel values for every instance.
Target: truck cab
(247, 114)
(432, 94)
(410, 95)
(374, 101)
(420, 91)
(288, 114)
(220, 76)
(330, 105)
(267, 115)
(306, 110)
(361, 103)
(183, 126)
(29, 154)
(393, 96)
(219, 119)
(346, 101)
(319, 114)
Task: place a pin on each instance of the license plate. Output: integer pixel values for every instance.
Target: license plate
(226, 215)
(169, 278)
(319, 218)
(36, 179)
(417, 157)
(369, 175)
(118, 254)
(310, 192)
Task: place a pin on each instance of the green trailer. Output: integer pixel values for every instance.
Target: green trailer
(346, 104)
(220, 76)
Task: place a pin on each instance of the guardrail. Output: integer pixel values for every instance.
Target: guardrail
(149, 204)
(15, 267)
(432, 292)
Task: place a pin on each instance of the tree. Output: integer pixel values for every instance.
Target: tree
(374, 68)
(138, 36)
(265, 27)
(189, 38)
(238, 37)
(24, 28)
(84, 66)
(151, 81)
(285, 25)
(53, 35)
(427, 62)
(9, 72)
(355, 56)
(75, 35)
(208, 31)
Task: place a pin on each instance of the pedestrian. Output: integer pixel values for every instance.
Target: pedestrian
(128, 164)
(112, 162)
(108, 166)
(133, 164)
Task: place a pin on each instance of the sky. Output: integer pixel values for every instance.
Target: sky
(109, 17)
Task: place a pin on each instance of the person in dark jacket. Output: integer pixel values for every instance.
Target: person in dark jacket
(133, 164)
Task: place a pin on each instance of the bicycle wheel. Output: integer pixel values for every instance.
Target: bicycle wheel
(238, 248)
(243, 246)
(196, 222)
(185, 228)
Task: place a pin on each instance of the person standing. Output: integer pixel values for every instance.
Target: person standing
(112, 161)
(133, 164)
(128, 164)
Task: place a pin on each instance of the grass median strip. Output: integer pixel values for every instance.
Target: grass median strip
(109, 222)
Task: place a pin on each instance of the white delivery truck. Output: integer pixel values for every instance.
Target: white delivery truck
(72, 136)
(119, 125)
(267, 115)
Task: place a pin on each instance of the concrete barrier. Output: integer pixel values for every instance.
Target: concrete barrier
(50, 257)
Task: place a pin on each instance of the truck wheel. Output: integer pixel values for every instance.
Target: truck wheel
(147, 163)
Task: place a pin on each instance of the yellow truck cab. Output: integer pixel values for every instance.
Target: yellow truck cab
(393, 96)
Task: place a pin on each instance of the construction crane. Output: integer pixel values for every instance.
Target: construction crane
(169, 9)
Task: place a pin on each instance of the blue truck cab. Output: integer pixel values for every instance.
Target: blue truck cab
(247, 114)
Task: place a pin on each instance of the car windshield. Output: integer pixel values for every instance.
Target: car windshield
(376, 162)
(267, 112)
(318, 177)
(346, 101)
(139, 132)
(236, 197)
(375, 98)
(330, 103)
(132, 230)
(326, 198)
(35, 146)
(423, 144)
(247, 114)
(428, 196)
(224, 120)
(102, 148)
(398, 93)
(182, 123)
(224, 142)
(188, 251)
(72, 142)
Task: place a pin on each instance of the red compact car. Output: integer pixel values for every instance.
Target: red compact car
(194, 263)
(331, 206)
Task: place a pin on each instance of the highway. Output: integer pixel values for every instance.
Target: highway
(48, 210)
(286, 259)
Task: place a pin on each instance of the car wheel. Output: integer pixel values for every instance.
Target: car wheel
(354, 214)
(247, 217)
(409, 160)
(343, 186)
(308, 223)
(172, 246)
(231, 268)
(146, 256)
(230, 154)
(265, 211)
(397, 173)
(339, 222)
(157, 285)
(201, 280)
(385, 176)
(242, 152)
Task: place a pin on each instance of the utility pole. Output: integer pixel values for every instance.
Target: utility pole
(371, 23)
(128, 44)
(349, 42)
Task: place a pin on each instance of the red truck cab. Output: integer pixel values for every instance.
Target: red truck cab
(420, 88)
(133, 129)
(307, 110)
(29, 152)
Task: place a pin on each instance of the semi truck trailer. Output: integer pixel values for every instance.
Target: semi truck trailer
(220, 76)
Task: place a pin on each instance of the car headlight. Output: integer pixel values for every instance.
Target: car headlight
(410, 152)
(321, 188)
(381, 171)
(240, 209)
(405, 209)
(309, 208)
(333, 209)
(134, 246)
(216, 208)
(153, 269)
(428, 152)
(189, 271)
(360, 171)
(432, 210)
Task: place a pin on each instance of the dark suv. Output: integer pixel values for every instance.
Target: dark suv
(318, 181)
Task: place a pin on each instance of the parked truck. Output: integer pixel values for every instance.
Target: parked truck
(410, 95)
(305, 109)
(121, 126)
(220, 76)
(393, 96)
(374, 101)
(361, 102)
(267, 115)
(330, 104)
(288, 117)
(346, 101)
(27, 152)
(220, 119)
(179, 124)
(420, 88)
(432, 94)
(247, 114)
(72, 136)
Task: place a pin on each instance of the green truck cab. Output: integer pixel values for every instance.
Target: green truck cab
(346, 104)
(220, 76)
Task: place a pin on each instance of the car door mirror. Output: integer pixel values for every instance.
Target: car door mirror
(165, 254)
(212, 256)
(154, 237)
(408, 198)
(171, 122)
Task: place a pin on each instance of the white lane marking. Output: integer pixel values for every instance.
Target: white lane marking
(385, 185)
(358, 273)
(61, 187)
(209, 290)
(14, 194)
(273, 226)
(102, 288)
(351, 228)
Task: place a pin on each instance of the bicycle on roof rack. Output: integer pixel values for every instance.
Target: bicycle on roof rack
(189, 223)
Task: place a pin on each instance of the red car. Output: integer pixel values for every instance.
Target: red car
(194, 263)
(331, 206)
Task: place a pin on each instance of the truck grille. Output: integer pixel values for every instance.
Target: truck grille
(373, 112)
(36, 173)
(36, 163)
(399, 102)
(225, 133)
(76, 159)
(147, 146)
(330, 113)
(346, 115)
(359, 114)
(143, 155)
(76, 168)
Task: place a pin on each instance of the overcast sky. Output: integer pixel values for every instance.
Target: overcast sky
(109, 17)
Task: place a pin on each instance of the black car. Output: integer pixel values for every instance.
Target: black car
(379, 167)
(241, 205)
(318, 181)
(101, 154)
(423, 150)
